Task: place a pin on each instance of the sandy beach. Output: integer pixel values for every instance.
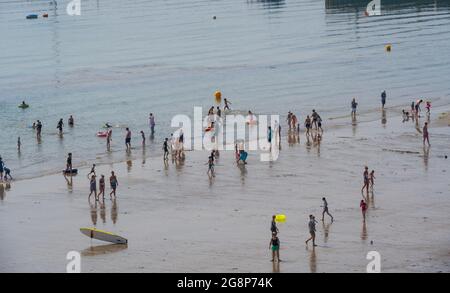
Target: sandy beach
(177, 220)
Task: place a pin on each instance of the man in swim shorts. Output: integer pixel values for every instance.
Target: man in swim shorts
(128, 139)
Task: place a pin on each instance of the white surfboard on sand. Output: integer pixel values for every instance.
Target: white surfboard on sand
(103, 235)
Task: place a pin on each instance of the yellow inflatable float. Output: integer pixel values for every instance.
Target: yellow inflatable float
(218, 96)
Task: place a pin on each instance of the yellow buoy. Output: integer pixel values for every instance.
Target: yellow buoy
(388, 48)
(218, 96)
(280, 218)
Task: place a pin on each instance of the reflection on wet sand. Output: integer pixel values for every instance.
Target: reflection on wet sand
(355, 6)
(129, 165)
(103, 249)
(2, 191)
(354, 124)
(326, 231)
(364, 233)
(383, 118)
(243, 170)
(69, 181)
(94, 214)
(426, 156)
(103, 211)
(114, 213)
(313, 260)
(275, 267)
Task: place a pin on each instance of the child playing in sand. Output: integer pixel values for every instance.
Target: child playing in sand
(275, 246)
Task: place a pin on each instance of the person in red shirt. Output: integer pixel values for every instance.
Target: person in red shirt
(363, 206)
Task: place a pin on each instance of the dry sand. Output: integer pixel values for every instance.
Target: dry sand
(177, 220)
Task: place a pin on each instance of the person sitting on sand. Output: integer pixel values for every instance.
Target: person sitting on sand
(274, 245)
(312, 230)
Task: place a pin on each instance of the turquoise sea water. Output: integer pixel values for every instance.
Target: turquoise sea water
(120, 60)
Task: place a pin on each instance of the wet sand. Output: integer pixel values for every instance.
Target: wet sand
(177, 220)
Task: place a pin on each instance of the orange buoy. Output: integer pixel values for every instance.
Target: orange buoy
(45, 15)
(218, 96)
(388, 47)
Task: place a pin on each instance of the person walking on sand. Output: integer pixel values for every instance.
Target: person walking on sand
(210, 164)
(143, 137)
(2, 168)
(273, 225)
(128, 139)
(426, 135)
(113, 183)
(307, 125)
(101, 183)
(69, 163)
(93, 187)
(166, 149)
(92, 171)
(274, 245)
(383, 99)
(19, 144)
(325, 210)
(363, 207)
(372, 178)
(315, 118)
(354, 106)
(294, 121)
(312, 230)
(366, 179)
(227, 104)
(151, 122)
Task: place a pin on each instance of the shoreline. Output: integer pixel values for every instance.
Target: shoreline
(339, 123)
